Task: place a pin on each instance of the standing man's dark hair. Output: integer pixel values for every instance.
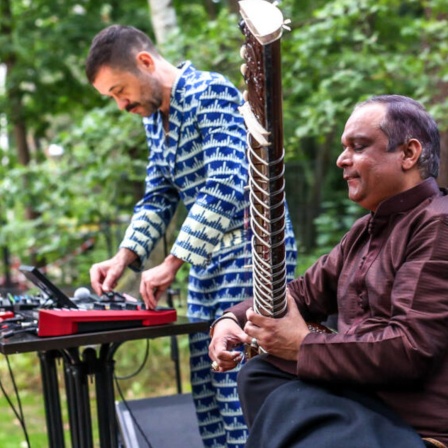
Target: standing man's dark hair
(116, 47)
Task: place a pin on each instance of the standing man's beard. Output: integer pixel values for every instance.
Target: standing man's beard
(150, 99)
(145, 109)
(131, 106)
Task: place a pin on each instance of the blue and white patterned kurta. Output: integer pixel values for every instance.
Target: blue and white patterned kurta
(202, 162)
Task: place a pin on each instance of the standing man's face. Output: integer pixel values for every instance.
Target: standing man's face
(372, 173)
(138, 93)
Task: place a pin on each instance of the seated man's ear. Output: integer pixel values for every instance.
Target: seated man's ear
(411, 153)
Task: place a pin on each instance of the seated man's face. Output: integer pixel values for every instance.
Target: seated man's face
(372, 173)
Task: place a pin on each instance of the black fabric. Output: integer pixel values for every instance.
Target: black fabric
(159, 422)
(256, 380)
(283, 412)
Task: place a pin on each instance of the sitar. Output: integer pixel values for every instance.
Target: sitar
(262, 26)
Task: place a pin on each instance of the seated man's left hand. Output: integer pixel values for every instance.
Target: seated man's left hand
(281, 337)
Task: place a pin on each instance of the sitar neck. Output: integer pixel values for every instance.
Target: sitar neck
(262, 26)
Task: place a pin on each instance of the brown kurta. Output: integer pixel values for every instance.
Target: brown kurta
(388, 281)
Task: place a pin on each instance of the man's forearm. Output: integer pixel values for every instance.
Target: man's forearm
(173, 262)
(239, 310)
(125, 257)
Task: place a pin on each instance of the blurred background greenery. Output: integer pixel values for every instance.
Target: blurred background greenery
(72, 166)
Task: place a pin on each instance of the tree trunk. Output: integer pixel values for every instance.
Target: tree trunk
(439, 98)
(15, 109)
(322, 163)
(443, 171)
(163, 17)
(233, 6)
(13, 94)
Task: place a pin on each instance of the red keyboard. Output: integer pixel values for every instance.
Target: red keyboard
(62, 322)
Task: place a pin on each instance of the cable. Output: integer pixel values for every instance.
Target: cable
(140, 429)
(19, 414)
(139, 369)
(8, 334)
(123, 399)
(15, 325)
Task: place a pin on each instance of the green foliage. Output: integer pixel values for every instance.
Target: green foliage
(333, 223)
(49, 41)
(92, 183)
(348, 50)
(11, 433)
(215, 47)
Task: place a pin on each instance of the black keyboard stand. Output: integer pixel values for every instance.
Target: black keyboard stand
(85, 357)
(77, 373)
(52, 401)
(174, 346)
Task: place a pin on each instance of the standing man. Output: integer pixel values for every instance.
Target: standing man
(197, 144)
(382, 380)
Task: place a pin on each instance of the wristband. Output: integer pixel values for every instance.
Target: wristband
(224, 316)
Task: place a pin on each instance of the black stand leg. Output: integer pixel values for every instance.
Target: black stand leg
(76, 381)
(52, 402)
(175, 358)
(104, 381)
(174, 346)
(77, 373)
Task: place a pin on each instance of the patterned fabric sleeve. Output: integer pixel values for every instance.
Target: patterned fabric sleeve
(152, 215)
(221, 197)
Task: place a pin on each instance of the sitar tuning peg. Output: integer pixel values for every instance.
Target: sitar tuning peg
(243, 51)
(285, 25)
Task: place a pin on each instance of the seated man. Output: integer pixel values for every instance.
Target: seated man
(382, 380)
